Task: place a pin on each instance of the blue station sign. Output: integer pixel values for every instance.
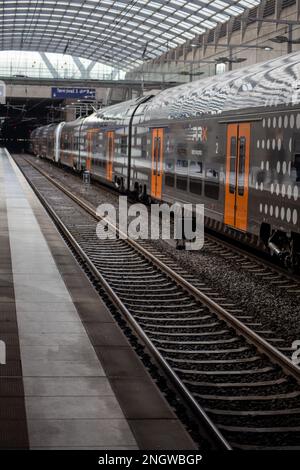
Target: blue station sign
(74, 93)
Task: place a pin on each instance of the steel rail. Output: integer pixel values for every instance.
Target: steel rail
(216, 438)
(262, 345)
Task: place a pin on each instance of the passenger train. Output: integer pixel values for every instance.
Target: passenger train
(231, 142)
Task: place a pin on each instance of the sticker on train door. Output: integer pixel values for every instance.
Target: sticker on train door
(157, 163)
(237, 175)
(110, 149)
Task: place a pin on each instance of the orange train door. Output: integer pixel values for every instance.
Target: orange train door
(157, 163)
(110, 150)
(237, 175)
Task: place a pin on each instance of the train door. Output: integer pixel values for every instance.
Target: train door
(157, 163)
(237, 175)
(110, 150)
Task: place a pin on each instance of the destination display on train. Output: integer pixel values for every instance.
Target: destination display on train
(74, 93)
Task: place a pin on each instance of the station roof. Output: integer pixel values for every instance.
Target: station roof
(116, 32)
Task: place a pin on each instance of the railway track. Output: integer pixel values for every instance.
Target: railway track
(262, 270)
(250, 260)
(245, 391)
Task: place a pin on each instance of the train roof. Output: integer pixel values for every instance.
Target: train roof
(272, 83)
(120, 112)
(41, 129)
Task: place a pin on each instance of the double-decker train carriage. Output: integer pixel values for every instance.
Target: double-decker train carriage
(231, 142)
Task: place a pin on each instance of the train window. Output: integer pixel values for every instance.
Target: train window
(158, 156)
(182, 164)
(296, 144)
(241, 173)
(196, 187)
(144, 146)
(195, 168)
(297, 166)
(181, 174)
(195, 177)
(212, 184)
(124, 144)
(211, 173)
(169, 173)
(232, 175)
(95, 142)
(181, 150)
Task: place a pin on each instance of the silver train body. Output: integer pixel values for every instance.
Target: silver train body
(231, 142)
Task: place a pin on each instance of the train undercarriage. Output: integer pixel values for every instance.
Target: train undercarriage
(282, 245)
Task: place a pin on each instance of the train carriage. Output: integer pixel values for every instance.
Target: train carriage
(70, 143)
(231, 142)
(38, 141)
(34, 141)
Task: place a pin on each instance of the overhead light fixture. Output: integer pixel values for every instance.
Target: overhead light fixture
(240, 46)
(186, 72)
(279, 39)
(284, 39)
(236, 60)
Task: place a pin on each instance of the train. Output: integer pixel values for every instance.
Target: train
(230, 142)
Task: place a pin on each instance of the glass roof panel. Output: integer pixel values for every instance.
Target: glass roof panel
(92, 28)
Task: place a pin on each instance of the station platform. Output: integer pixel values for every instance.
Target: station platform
(70, 379)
